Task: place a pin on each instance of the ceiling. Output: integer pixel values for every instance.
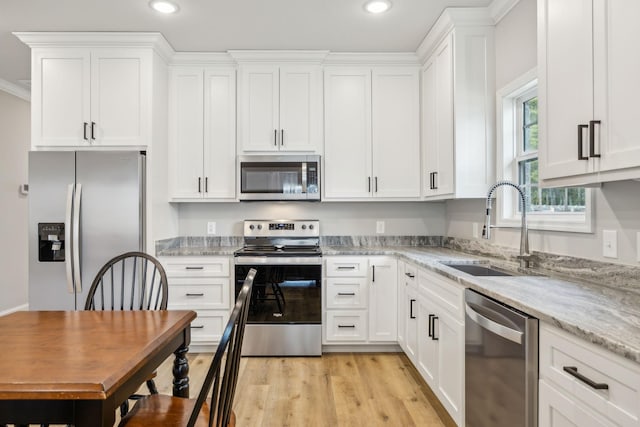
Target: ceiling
(217, 25)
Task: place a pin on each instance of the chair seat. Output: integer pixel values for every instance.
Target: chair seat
(166, 411)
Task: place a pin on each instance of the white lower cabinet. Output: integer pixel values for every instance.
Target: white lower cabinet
(584, 385)
(360, 300)
(202, 284)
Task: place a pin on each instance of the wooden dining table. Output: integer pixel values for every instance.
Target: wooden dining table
(77, 367)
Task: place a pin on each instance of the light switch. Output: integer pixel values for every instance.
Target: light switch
(379, 227)
(609, 243)
(211, 228)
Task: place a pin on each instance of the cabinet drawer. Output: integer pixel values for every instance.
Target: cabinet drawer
(346, 325)
(209, 325)
(346, 267)
(618, 403)
(448, 294)
(180, 266)
(206, 293)
(346, 292)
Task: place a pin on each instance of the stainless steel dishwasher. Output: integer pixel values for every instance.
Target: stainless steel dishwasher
(501, 364)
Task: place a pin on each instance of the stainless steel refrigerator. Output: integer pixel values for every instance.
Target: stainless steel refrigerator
(84, 209)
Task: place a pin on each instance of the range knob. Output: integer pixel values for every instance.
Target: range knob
(251, 227)
(304, 227)
(259, 227)
(310, 226)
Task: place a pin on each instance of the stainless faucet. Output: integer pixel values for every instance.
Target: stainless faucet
(524, 256)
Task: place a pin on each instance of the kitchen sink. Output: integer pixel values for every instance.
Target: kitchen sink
(479, 270)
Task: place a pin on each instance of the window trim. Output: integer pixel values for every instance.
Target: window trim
(506, 125)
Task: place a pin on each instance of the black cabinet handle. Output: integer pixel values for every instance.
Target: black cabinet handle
(409, 275)
(86, 138)
(194, 268)
(281, 136)
(573, 371)
(435, 180)
(411, 316)
(197, 327)
(369, 184)
(581, 128)
(432, 326)
(206, 184)
(373, 273)
(199, 185)
(346, 293)
(194, 295)
(275, 137)
(348, 267)
(592, 138)
(93, 130)
(346, 326)
(376, 184)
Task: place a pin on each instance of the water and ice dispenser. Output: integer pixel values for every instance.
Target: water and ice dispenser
(51, 241)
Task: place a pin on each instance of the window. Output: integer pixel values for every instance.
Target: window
(563, 209)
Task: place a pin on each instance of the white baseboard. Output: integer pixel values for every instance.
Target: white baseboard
(23, 307)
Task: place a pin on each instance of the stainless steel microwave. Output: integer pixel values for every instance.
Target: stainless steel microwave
(281, 177)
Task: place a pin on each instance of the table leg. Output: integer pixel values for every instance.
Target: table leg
(181, 373)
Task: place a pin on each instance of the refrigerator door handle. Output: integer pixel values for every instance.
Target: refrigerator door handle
(76, 239)
(68, 247)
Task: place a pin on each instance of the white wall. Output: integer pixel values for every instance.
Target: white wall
(616, 205)
(337, 219)
(14, 145)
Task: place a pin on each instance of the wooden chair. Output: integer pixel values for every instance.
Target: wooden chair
(169, 411)
(131, 281)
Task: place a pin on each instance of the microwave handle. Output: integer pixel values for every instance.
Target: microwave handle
(304, 177)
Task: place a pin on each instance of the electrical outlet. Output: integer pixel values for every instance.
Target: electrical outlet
(609, 243)
(379, 227)
(211, 228)
(475, 230)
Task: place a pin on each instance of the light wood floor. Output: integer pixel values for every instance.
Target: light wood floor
(333, 390)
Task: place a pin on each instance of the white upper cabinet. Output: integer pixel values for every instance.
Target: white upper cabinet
(587, 91)
(280, 108)
(86, 97)
(202, 133)
(372, 142)
(458, 104)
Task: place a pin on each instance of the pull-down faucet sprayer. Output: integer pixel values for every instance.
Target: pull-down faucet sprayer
(524, 256)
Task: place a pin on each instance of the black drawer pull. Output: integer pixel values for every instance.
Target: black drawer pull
(197, 327)
(195, 295)
(347, 268)
(409, 275)
(194, 268)
(346, 293)
(592, 138)
(411, 316)
(581, 128)
(573, 371)
(346, 326)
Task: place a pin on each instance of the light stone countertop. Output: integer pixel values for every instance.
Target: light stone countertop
(602, 315)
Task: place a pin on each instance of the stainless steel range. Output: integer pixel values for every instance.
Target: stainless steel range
(285, 317)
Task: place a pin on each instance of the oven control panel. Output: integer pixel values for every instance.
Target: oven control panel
(292, 228)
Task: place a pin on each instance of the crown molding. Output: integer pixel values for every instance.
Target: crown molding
(44, 39)
(372, 58)
(279, 56)
(498, 9)
(451, 18)
(203, 58)
(15, 90)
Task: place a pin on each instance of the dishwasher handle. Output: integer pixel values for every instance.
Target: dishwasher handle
(501, 330)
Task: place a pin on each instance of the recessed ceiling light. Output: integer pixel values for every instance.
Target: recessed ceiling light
(164, 6)
(377, 6)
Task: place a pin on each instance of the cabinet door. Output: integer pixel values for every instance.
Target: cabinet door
(427, 345)
(120, 96)
(402, 293)
(347, 150)
(186, 115)
(383, 291)
(411, 316)
(300, 108)
(556, 409)
(437, 121)
(616, 90)
(450, 380)
(219, 133)
(259, 89)
(60, 100)
(565, 86)
(396, 133)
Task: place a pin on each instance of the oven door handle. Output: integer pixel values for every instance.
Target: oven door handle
(501, 330)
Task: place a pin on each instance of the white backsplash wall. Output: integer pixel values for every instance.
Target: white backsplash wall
(336, 218)
(616, 207)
